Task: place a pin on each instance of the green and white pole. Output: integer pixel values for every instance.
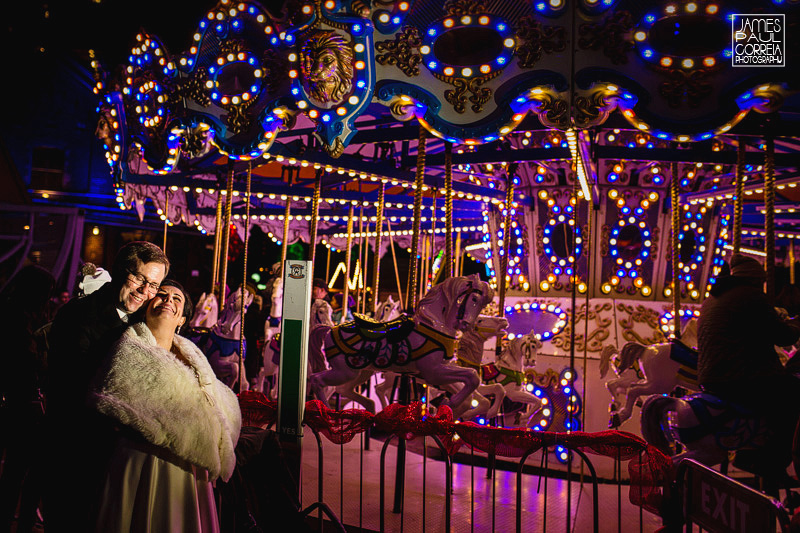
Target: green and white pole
(297, 278)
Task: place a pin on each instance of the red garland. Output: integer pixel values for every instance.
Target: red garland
(648, 468)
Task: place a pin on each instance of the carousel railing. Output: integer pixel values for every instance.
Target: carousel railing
(649, 469)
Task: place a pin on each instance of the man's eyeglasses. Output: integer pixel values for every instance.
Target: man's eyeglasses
(141, 281)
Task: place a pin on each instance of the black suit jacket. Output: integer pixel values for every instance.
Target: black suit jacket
(82, 334)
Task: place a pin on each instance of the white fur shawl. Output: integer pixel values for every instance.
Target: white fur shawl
(184, 409)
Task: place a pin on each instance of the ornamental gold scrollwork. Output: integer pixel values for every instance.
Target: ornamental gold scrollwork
(535, 39)
(194, 88)
(552, 111)
(595, 339)
(654, 247)
(195, 141)
(105, 129)
(479, 95)
(605, 231)
(593, 109)
(539, 240)
(326, 65)
(549, 378)
(610, 35)
(237, 119)
(456, 8)
(685, 87)
(403, 52)
(639, 315)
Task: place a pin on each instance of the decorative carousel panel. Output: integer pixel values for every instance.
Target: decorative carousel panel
(591, 337)
(695, 250)
(470, 70)
(331, 69)
(668, 66)
(517, 275)
(560, 242)
(629, 241)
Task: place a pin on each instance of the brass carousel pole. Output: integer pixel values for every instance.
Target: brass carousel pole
(226, 237)
(362, 272)
(287, 214)
(502, 268)
(738, 200)
(376, 268)
(166, 218)
(312, 242)
(346, 292)
(242, 376)
(364, 269)
(676, 221)
(361, 261)
(394, 260)
(769, 215)
(432, 250)
(411, 305)
(448, 210)
(459, 255)
(217, 241)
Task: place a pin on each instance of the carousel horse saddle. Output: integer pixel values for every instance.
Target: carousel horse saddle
(275, 346)
(733, 424)
(491, 373)
(686, 357)
(393, 331)
(225, 347)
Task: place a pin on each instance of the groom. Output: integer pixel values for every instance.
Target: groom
(82, 334)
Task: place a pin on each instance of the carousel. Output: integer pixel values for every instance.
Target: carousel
(602, 159)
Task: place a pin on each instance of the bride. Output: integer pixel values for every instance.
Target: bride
(178, 425)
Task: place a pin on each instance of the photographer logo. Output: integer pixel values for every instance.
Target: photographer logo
(758, 40)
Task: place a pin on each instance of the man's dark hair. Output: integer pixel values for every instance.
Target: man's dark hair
(188, 306)
(129, 256)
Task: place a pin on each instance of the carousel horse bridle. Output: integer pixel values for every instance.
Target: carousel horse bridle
(463, 298)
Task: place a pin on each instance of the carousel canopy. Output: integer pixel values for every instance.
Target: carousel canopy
(586, 110)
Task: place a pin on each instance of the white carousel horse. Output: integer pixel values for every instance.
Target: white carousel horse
(422, 346)
(470, 350)
(508, 372)
(643, 370)
(222, 345)
(706, 426)
(388, 310)
(206, 311)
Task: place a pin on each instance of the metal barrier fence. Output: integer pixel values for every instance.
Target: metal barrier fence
(548, 516)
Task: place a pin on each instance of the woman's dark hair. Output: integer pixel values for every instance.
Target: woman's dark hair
(188, 307)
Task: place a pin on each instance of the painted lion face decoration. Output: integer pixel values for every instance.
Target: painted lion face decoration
(326, 62)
